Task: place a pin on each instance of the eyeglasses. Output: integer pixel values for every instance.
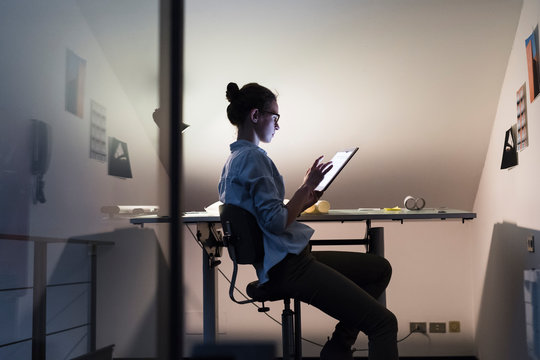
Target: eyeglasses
(276, 116)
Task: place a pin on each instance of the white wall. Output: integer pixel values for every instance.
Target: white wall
(506, 204)
(414, 84)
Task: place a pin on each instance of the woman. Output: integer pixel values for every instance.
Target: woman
(344, 285)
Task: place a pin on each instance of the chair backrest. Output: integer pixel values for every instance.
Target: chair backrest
(242, 233)
(244, 240)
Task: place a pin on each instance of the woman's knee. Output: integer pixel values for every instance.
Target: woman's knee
(385, 271)
(391, 322)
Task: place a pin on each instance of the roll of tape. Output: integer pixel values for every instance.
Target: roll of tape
(320, 207)
(414, 203)
(420, 203)
(410, 203)
(323, 206)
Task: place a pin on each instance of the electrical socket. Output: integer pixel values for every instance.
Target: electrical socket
(437, 327)
(530, 243)
(418, 327)
(454, 326)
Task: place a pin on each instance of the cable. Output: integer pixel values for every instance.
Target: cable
(409, 334)
(227, 278)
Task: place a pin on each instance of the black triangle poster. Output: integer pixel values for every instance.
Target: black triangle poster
(119, 159)
(509, 158)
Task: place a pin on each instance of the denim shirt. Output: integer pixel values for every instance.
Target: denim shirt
(251, 180)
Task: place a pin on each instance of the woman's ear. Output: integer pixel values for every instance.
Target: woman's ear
(254, 115)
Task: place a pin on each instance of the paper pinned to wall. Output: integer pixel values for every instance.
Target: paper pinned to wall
(98, 132)
(522, 126)
(75, 75)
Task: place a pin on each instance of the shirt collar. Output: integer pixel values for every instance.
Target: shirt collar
(239, 144)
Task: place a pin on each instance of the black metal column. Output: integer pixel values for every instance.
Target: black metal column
(176, 306)
(39, 324)
(376, 247)
(297, 330)
(210, 312)
(93, 296)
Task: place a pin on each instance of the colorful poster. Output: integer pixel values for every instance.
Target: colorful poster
(531, 44)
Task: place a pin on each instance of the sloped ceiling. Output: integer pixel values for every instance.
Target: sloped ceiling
(414, 84)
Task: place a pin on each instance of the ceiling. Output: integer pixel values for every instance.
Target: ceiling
(414, 83)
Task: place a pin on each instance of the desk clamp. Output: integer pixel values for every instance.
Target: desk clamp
(373, 240)
(211, 240)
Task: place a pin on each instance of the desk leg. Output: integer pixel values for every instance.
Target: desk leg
(209, 301)
(376, 247)
(376, 241)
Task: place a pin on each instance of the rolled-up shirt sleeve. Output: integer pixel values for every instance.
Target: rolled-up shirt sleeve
(272, 213)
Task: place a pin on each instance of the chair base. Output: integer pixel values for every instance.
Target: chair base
(291, 329)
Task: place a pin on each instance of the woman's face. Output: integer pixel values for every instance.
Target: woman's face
(267, 123)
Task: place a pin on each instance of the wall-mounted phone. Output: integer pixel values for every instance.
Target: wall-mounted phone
(41, 157)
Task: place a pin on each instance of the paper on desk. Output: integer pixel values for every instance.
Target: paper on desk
(213, 209)
(129, 210)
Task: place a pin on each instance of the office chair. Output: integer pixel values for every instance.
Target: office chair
(244, 240)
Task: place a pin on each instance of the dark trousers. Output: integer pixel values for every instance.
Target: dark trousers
(344, 285)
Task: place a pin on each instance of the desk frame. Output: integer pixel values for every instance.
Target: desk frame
(209, 236)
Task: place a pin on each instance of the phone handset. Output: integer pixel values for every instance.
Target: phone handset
(41, 147)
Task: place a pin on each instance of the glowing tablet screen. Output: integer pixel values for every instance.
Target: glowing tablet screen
(338, 161)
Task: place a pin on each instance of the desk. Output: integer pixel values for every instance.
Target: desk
(209, 237)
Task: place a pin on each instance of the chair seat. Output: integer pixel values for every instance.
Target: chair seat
(262, 292)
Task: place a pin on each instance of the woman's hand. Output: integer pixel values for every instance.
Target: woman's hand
(315, 174)
(306, 195)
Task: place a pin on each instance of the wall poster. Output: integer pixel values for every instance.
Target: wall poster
(119, 164)
(522, 138)
(510, 156)
(98, 132)
(75, 74)
(531, 46)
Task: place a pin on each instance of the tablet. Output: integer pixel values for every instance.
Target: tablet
(338, 161)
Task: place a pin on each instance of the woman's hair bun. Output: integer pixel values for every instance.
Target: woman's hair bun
(232, 91)
(241, 102)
